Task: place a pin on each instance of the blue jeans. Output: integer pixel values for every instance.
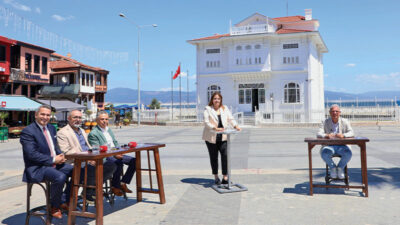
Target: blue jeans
(342, 150)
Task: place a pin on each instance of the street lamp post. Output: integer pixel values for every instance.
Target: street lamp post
(271, 97)
(138, 62)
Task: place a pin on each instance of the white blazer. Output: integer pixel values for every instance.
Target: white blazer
(211, 122)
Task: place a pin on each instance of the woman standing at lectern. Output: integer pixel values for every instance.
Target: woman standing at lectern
(217, 117)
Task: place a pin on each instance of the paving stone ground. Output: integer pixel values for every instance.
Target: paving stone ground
(271, 162)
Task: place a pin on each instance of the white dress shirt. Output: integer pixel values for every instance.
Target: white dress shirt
(52, 149)
(108, 137)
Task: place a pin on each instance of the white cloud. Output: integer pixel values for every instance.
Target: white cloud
(37, 10)
(17, 5)
(61, 18)
(380, 81)
(350, 65)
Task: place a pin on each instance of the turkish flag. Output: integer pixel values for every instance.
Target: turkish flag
(178, 71)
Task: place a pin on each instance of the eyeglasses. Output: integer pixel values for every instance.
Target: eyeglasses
(335, 111)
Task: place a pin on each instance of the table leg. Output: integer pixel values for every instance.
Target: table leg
(228, 152)
(73, 199)
(159, 176)
(364, 168)
(99, 192)
(138, 176)
(310, 167)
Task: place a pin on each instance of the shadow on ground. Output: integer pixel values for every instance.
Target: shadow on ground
(377, 177)
(207, 183)
(119, 204)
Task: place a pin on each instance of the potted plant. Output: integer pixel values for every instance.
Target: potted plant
(126, 121)
(3, 126)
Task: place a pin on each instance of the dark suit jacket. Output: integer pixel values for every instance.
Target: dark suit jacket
(36, 151)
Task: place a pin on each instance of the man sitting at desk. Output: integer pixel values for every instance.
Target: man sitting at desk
(335, 127)
(103, 135)
(73, 139)
(43, 159)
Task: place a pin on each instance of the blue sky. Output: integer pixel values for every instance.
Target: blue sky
(361, 35)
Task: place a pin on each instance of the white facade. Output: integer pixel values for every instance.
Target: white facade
(272, 66)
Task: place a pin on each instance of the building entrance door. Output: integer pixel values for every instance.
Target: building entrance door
(254, 101)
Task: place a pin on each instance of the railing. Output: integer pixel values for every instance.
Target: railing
(289, 116)
(372, 113)
(239, 118)
(163, 115)
(251, 29)
(102, 88)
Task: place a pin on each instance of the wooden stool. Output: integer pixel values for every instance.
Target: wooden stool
(45, 185)
(328, 177)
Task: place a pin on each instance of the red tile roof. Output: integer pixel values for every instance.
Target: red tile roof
(288, 31)
(67, 62)
(289, 18)
(60, 64)
(216, 36)
(7, 40)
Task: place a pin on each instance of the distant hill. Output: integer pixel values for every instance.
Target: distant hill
(127, 95)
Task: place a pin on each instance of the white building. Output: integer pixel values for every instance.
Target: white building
(271, 66)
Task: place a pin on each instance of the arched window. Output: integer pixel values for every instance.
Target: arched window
(248, 47)
(238, 48)
(292, 93)
(211, 89)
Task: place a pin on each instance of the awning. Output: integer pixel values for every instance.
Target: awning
(18, 103)
(70, 91)
(61, 105)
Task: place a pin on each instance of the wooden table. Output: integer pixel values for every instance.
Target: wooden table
(360, 141)
(98, 157)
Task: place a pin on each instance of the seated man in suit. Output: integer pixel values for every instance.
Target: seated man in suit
(336, 127)
(44, 160)
(73, 139)
(103, 135)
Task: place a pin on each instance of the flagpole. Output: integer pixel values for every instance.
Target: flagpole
(180, 97)
(187, 85)
(172, 95)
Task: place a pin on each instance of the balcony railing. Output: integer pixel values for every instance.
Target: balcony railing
(252, 29)
(101, 88)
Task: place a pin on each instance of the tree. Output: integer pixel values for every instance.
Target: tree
(155, 104)
(3, 116)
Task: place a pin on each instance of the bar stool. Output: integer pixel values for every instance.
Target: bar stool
(108, 194)
(45, 185)
(328, 177)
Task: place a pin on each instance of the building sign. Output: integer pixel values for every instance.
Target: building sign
(3, 104)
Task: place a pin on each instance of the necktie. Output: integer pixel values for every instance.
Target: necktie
(48, 142)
